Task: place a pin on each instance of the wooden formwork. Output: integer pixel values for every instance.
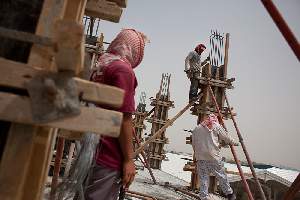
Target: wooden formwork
(219, 83)
(161, 104)
(139, 118)
(56, 45)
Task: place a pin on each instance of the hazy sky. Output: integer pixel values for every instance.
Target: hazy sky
(266, 95)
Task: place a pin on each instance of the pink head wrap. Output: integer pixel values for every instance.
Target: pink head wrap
(128, 46)
(210, 121)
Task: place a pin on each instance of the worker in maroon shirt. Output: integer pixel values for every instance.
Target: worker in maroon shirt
(114, 162)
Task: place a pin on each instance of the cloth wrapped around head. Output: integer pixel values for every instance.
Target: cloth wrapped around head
(210, 121)
(128, 46)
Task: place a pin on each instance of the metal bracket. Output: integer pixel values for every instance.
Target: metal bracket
(53, 96)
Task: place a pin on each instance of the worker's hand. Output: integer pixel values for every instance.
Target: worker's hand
(128, 173)
(236, 144)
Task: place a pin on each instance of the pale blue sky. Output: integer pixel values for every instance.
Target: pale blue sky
(266, 95)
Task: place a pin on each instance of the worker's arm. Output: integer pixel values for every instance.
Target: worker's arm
(224, 136)
(126, 144)
(187, 63)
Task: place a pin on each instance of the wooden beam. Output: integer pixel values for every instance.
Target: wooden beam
(226, 55)
(122, 3)
(74, 10)
(15, 74)
(69, 46)
(42, 56)
(70, 135)
(104, 10)
(15, 161)
(39, 163)
(97, 120)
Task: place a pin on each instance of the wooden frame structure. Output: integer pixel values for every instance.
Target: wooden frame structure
(219, 82)
(162, 104)
(30, 143)
(138, 121)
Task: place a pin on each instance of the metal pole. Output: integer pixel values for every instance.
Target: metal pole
(262, 194)
(282, 26)
(57, 164)
(245, 184)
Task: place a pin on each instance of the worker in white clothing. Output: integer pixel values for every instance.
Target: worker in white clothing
(207, 138)
(193, 69)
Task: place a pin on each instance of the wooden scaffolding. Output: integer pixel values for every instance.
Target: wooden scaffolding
(214, 73)
(48, 56)
(162, 104)
(139, 118)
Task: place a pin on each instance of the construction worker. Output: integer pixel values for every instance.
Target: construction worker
(207, 138)
(114, 168)
(193, 69)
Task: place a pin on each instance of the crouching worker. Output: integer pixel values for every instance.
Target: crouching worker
(114, 168)
(206, 140)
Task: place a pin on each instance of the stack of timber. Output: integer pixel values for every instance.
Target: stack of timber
(42, 57)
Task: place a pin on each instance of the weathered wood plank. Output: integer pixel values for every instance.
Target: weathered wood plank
(39, 163)
(17, 109)
(104, 10)
(15, 74)
(74, 10)
(122, 3)
(69, 46)
(42, 56)
(70, 135)
(15, 161)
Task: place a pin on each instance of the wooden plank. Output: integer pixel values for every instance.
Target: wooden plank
(122, 3)
(104, 10)
(69, 46)
(74, 10)
(41, 56)
(100, 93)
(39, 163)
(70, 135)
(15, 74)
(25, 36)
(226, 56)
(15, 161)
(17, 109)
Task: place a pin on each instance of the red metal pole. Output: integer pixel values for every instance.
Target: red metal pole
(57, 163)
(245, 184)
(262, 194)
(282, 26)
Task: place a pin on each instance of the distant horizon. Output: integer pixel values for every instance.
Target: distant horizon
(243, 162)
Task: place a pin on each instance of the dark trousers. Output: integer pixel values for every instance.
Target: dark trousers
(103, 184)
(193, 88)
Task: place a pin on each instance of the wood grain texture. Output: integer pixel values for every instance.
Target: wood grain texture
(15, 74)
(17, 109)
(104, 10)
